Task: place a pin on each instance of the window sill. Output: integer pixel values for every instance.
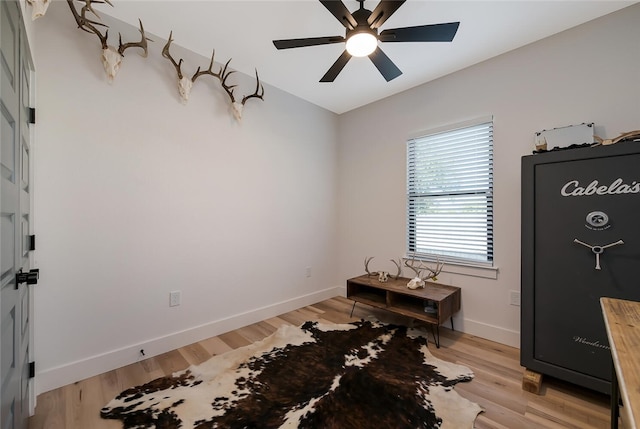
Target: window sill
(473, 271)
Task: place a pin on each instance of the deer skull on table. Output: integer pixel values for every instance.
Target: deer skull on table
(383, 276)
(416, 283)
(419, 281)
(39, 8)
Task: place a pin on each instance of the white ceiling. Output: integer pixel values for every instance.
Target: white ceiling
(243, 30)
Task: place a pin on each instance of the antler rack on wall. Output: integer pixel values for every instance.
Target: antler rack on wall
(112, 57)
(185, 83)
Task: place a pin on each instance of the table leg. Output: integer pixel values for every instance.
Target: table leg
(615, 400)
(436, 334)
(352, 308)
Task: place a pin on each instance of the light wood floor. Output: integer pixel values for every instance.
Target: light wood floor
(496, 386)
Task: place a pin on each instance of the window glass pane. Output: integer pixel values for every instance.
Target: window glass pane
(450, 195)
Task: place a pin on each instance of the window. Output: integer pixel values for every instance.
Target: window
(450, 195)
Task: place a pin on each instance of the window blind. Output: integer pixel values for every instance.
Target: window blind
(450, 195)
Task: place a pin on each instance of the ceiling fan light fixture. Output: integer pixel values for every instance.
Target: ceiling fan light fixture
(361, 44)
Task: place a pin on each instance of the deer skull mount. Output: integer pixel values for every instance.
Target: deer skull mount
(418, 267)
(39, 8)
(238, 106)
(111, 61)
(111, 57)
(185, 83)
(383, 276)
(416, 283)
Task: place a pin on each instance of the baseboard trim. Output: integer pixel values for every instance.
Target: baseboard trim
(63, 375)
(492, 333)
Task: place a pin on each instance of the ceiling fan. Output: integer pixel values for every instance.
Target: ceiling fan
(362, 36)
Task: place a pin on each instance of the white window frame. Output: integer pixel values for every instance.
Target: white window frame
(479, 189)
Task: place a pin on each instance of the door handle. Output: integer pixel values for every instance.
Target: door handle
(30, 278)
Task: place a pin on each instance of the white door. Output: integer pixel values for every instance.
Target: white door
(15, 217)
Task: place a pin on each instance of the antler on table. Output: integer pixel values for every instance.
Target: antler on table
(366, 266)
(375, 273)
(399, 266)
(418, 269)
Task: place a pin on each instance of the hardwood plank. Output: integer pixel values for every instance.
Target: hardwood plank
(497, 386)
(234, 339)
(195, 354)
(215, 346)
(171, 362)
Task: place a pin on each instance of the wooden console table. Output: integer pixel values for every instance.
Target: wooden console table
(395, 296)
(622, 320)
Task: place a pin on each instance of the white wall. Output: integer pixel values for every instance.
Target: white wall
(138, 195)
(586, 74)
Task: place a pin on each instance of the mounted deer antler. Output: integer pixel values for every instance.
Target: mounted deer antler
(86, 24)
(383, 276)
(208, 71)
(141, 44)
(185, 83)
(111, 57)
(236, 106)
(419, 280)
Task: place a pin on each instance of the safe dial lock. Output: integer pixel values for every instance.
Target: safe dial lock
(597, 219)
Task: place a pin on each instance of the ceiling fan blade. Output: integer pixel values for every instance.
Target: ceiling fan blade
(382, 12)
(421, 33)
(309, 41)
(340, 11)
(336, 68)
(384, 64)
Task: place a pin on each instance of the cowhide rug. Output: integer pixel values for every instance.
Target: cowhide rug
(357, 375)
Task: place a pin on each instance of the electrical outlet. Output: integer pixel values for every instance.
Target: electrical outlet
(307, 271)
(174, 298)
(514, 297)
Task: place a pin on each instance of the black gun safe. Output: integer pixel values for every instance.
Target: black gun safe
(580, 242)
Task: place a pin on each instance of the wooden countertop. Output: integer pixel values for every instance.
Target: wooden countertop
(622, 320)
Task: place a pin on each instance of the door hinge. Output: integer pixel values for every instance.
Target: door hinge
(32, 115)
(32, 369)
(32, 242)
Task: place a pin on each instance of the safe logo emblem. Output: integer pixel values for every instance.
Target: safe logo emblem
(597, 220)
